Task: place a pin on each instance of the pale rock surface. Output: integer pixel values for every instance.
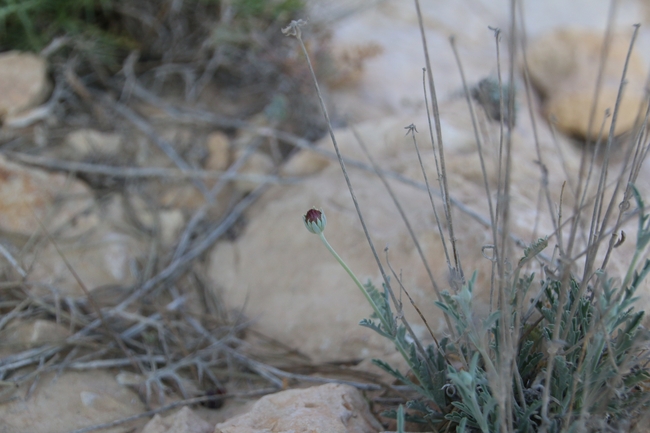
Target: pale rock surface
(246, 137)
(218, 146)
(168, 222)
(70, 401)
(257, 164)
(230, 409)
(288, 281)
(22, 334)
(391, 80)
(100, 257)
(91, 238)
(171, 224)
(304, 164)
(84, 142)
(564, 66)
(183, 421)
(23, 82)
(29, 195)
(331, 408)
(186, 197)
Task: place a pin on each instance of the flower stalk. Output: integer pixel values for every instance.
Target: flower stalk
(315, 221)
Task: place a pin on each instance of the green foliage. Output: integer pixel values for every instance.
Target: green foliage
(596, 369)
(271, 10)
(254, 14)
(31, 24)
(488, 93)
(534, 249)
(400, 419)
(643, 234)
(103, 30)
(597, 364)
(599, 345)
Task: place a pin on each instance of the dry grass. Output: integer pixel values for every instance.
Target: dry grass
(169, 334)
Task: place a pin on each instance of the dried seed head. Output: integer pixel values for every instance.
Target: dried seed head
(293, 29)
(315, 220)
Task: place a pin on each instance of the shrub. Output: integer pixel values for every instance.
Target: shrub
(575, 360)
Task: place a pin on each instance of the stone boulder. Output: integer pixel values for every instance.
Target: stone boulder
(183, 421)
(288, 282)
(70, 401)
(331, 408)
(564, 65)
(23, 334)
(90, 235)
(23, 82)
(28, 196)
(89, 142)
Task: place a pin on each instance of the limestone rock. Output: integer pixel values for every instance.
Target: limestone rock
(298, 293)
(185, 197)
(86, 235)
(564, 67)
(245, 137)
(218, 147)
(71, 401)
(100, 257)
(305, 163)
(390, 83)
(23, 335)
(85, 142)
(171, 224)
(257, 164)
(23, 82)
(347, 64)
(92, 240)
(183, 421)
(276, 263)
(331, 408)
(27, 194)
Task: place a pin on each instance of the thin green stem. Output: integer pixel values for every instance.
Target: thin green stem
(356, 281)
(385, 323)
(631, 269)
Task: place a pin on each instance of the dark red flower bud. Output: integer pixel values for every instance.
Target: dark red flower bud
(315, 220)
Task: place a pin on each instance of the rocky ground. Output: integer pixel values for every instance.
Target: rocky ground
(92, 216)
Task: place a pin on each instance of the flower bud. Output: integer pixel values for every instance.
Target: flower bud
(315, 221)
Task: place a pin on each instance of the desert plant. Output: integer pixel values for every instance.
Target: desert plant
(574, 361)
(599, 369)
